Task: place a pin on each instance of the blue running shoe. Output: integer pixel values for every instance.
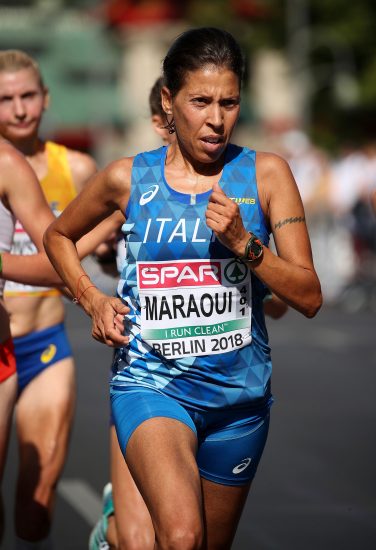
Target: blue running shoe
(97, 540)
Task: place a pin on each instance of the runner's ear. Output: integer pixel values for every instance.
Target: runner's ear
(46, 101)
(166, 100)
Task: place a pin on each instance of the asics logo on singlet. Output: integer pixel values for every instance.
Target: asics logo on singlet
(149, 195)
(242, 466)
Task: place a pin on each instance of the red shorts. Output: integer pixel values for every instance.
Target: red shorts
(7, 360)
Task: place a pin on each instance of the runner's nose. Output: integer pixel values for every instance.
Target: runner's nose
(19, 108)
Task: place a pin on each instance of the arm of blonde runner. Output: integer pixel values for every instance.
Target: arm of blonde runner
(107, 192)
(37, 269)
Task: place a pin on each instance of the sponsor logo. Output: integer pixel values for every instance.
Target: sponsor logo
(175, 274)
(48, 354)
(235, 272)
(242, 466)
(149, 195)
(243, 200)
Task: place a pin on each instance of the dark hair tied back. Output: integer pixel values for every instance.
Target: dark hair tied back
(199, 48)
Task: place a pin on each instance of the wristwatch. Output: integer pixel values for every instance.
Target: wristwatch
(253, 249)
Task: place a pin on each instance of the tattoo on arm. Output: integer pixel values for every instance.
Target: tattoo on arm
(297, 219)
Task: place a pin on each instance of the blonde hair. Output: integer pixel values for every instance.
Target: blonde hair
(15, 60)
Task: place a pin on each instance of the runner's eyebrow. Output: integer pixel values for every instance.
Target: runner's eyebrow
(296, 219)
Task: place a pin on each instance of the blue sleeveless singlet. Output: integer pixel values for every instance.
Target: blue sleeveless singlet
(196, 323)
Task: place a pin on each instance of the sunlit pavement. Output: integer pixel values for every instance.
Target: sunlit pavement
(315, 488)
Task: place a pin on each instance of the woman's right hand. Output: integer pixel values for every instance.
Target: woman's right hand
(107, 314)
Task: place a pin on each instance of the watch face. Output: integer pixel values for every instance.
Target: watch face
(255, 250)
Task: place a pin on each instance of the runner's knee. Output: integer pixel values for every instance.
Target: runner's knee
(181, 535)
(140, 539)
(38, 473)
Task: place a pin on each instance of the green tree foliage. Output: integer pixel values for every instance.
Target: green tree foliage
(340, 50)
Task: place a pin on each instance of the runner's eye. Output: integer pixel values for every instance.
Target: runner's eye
(230, 103)
(29, 95)
(201, 101)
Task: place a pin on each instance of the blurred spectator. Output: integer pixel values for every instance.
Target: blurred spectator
(310, 166)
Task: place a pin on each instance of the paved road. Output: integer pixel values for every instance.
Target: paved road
(315, 489)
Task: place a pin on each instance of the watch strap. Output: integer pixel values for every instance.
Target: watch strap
(248, 246)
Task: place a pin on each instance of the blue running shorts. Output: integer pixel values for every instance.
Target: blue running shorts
(39, 350)
(230, 442)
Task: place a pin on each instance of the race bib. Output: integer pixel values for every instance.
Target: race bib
(195, 307)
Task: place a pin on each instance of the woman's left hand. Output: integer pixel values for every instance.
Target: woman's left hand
(223, 217)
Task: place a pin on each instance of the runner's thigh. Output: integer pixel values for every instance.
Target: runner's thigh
(159, 441)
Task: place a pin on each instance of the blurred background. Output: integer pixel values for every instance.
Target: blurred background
(309, 95)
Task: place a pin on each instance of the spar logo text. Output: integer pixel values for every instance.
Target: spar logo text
(175, 274)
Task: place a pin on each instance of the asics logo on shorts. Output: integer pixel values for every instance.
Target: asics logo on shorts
(48, 354)
(242, 466)
(149, 195)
